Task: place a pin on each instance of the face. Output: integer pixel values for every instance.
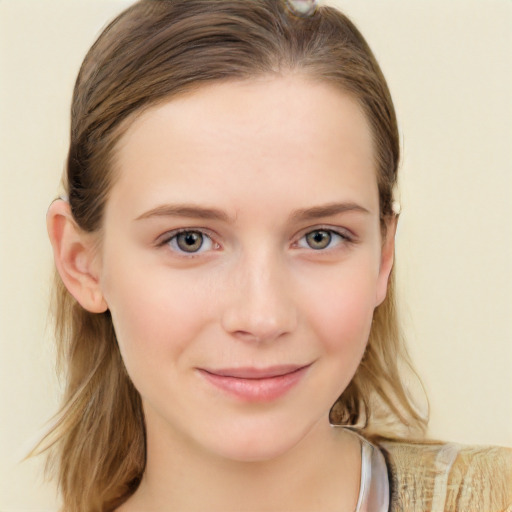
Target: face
(242, 260)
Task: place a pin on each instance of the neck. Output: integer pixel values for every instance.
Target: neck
(322, 472)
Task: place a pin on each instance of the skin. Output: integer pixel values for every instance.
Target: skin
(272, 160)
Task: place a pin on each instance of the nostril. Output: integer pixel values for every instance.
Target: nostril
(246, 336)
(252, 329)
(260, 333)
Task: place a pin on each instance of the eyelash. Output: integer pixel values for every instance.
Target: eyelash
(172, 236)
(342, 235)
(171, 239)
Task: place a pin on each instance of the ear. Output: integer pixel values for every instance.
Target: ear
(75, 257)
(387, 259)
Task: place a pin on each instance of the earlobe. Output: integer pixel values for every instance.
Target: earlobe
(387, 259)
(74, 255)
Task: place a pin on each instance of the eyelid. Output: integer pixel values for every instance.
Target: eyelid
(166, 237)
(347, 238)
(343, 232)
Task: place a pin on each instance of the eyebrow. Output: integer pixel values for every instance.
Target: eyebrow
(200, 212)
(183, 210)
(327, 210)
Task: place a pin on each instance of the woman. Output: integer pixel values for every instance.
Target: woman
(225, 253)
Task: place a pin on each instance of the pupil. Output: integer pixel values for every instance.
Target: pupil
(190, 239)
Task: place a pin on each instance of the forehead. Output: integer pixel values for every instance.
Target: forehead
(277, 132)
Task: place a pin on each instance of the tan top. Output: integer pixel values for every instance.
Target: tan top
(448, 477)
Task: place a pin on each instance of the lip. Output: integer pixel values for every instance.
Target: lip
(256, 384)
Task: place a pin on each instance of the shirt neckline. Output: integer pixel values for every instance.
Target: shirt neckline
(374, 492)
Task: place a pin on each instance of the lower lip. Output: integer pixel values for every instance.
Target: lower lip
(256, 390)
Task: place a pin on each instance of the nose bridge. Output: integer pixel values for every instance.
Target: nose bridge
(261, 308)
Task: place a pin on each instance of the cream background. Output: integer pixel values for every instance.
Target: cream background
(448, 64)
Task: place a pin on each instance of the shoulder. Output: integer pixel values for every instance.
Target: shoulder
(448, 477)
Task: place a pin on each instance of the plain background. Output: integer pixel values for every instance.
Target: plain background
(448, 64)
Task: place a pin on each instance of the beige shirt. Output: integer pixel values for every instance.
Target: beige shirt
(435, 477)
(448, 477)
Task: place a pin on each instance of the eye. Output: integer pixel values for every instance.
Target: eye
(190, 241)
(319, 239)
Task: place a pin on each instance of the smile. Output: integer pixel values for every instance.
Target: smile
(255, 384)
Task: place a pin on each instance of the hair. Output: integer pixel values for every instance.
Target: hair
(153, 51)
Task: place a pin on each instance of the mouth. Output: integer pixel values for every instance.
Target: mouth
(255, 384)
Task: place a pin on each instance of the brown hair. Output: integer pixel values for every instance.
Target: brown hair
(154, 50)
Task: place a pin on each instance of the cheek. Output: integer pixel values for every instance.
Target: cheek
(342, 312)
(156, 316)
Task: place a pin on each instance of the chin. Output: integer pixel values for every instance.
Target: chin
(254, 453)
(259, 443)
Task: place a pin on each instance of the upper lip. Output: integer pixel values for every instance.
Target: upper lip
(256, 373)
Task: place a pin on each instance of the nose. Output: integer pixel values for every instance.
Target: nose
(261, 307)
